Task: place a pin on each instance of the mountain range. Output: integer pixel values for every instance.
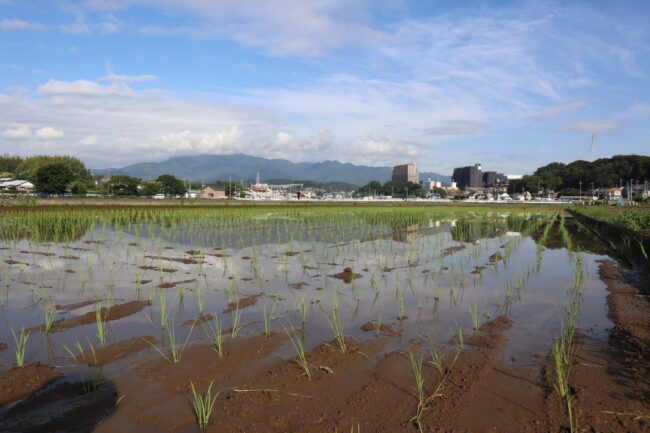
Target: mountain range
(209, 168)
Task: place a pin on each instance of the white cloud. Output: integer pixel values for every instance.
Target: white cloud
(49, 133)
(128, 78)
(16, 24)
(82, 26)
(593, 127)
(20, 132)
(91, 140)
(80, 88)
(282, 27)
(222, 142)
(457, 127)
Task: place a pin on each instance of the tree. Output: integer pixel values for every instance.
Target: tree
(9, 164)
(28, 167)
(231, 188)
(170, 185)
(53, 178)
(149, 188)
(122, 185)
(79, 188)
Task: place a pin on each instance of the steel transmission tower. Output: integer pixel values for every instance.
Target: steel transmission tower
(593, 147)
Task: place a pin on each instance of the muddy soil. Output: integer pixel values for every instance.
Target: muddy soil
(611, 376)
(76, 305)
(112, 352)
(19, 382)
(244, 302)
(347, 275)
(261, 388)
(115, 312)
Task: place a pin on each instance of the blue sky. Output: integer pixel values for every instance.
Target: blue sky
(513, 85)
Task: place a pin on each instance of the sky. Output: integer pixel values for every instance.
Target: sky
(513, 85)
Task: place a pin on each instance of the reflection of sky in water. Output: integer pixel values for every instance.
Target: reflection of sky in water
(111, 268)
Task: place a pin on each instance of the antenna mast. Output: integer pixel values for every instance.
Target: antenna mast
(593, 147)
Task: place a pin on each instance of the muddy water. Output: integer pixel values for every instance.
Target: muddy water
(423, 279)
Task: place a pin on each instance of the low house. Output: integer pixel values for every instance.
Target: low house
(213, 191)
(305, 194)
(613, 193)
(18, 185)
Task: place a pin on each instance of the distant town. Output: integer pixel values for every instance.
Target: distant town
(66, 176)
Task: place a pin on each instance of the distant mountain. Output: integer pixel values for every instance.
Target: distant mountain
(239, 166)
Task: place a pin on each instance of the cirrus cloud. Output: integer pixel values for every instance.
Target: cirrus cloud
(593, 127)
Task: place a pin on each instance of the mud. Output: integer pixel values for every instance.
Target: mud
(478, 270)
(495, 257)
(3, 345)
(347, 275)
(183, 260)
(71, 307)
(609, 378)
(171, 284)
(19, 382)
(112, 352)
(153, 268)
(40, 253)
(258, 391)
(452, 250)
(244, 302)
(629, 310)
(115, 312)
(201, 319)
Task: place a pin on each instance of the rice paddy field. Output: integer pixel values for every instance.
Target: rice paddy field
(316, 319)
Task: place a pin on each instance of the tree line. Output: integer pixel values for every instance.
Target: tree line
(569, 179)
(61, 174)
(396, 189)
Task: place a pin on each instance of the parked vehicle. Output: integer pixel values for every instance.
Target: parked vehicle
(159, 196)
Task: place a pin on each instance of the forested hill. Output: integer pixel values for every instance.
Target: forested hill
(604, 172)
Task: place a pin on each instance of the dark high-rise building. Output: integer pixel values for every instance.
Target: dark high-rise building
(470, 176)
(490, 178)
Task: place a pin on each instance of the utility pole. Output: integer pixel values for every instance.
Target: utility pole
(580, 190)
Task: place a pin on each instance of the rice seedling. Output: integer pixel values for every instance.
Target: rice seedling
(335, 325)
(424, 402)
(199, 298)
(175, 350)
(235, 321)
(49, 311)
(21, 344)
(203, 405)
(474, 313)
(101, 330)
(416, 365)
(296, 342)
(91, 378)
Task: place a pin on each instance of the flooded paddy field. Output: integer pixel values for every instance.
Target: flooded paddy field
(316, 320)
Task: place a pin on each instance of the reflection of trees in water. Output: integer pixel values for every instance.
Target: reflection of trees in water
(472, 229)
(407, 235)
(581, 238)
